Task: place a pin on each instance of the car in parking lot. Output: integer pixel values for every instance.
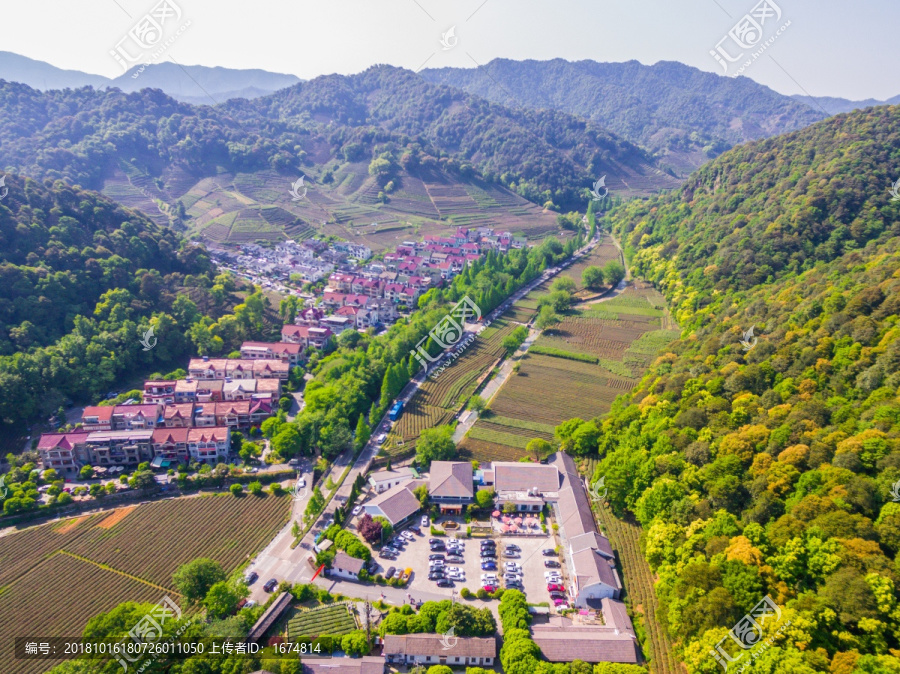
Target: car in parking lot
(416, 530)
(513, 547)
(488, 544)
(557, 595)
(551, 563)
(489, 588)
(456, 559)
(488, 577)
(425, 521)
(549, 552)
(437, 555)
(357, 510)
(251, 578)
(407, 535)
(556, 587)
(445, 582)
(488, 555)
(434, 541)
(489, 566)
(551, 574)
(390, 572)
(270, 585)
(456, 573)
(436, 563)
(560, 603)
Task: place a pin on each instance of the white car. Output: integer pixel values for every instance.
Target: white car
(456, 574)
(488, 576)
(357, 510)
(512, 565)
(408, 535)
(301, 482)
(425, 522)
(436, 563)
(379, 440)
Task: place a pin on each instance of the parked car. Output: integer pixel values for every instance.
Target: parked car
(436, 575)
(489, 566)
(555, 587)
(390, 572)
(488, 576)
(438, 548)
(455, 559)
(489, 588)
(416, 530)
(488, 544)
(445, 582)
(379, 439)
(434, 541)
(408, 536)
(456, 573)
(512, 565)
(270, 585)
(549, 552)
(250, 604)
(551, 574)
(513, 547)
(557, 595)
(435, 556)
(551, 563)
(301, 482)
(560, 603)
(514, 585)
(425, 521)
(488, 555)
(251, 578)
(357, 510)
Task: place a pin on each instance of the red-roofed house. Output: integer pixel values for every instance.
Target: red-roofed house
(179, 416)
(305, 336)
(284, 351)
(162, 392)
(136, 417)
(63, 451)
(97, 418)
(209, 444)
(171, 443)
(392, 291)
(342, 282)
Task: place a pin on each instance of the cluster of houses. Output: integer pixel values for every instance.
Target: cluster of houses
(593, 582)
(312, 259)
(180, 420)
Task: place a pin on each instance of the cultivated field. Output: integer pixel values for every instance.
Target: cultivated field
(259, 207)
(54, 577)
(324, 620)
(438, 400)
(577, 369)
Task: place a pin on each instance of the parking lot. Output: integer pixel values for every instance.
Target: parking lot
(416, 554)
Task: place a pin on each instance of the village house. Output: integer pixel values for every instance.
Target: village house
(306, 336)
(205, 415)
(397, 505)
(338, 323)
(287, 352)
(180, 415)
(382, 480)
(162, 392)
(97, 418)
(346, 567)
(64, 452)
(450, 485)
(170, 444)
(431, 649)
(119, 448)
(309, 317)
(209, 444)
(135, 417)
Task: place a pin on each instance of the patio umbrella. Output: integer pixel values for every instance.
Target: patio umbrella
(506, 519)
(514, 528)
(504, 528)
(518, 520)
(496, 513)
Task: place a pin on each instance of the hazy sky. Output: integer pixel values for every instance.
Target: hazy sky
(830, 48)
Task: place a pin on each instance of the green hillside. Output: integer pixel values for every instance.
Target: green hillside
(769, 471)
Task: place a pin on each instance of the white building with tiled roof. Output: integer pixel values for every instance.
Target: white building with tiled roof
(432, 649)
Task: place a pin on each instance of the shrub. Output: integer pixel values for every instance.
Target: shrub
(482, 594)
(465, 593)
(255, 488)
(237, 489)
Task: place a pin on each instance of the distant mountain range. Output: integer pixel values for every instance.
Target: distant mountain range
(682, 114)
(200, 85)
(835, 106)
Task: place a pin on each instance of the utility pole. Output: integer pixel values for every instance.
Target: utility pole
(368, 622)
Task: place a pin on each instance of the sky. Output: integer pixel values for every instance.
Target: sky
(828, 47)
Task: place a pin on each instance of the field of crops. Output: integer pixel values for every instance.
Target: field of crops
(596, 353)
(152, 541)
(440, 398)
(57, 598)
(324, 620)
(56, 576)
(639, 593)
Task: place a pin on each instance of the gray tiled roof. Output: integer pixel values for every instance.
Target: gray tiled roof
(451, 479)
(369, 664)
(591, 568)
(560, 646)
(593, 540)
(432, 644)
(347, 563)
(516, 476)
(398, 502)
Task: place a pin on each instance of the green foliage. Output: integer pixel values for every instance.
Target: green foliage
(435, 444)
(194, 579)
(560, 353)
(592, 278)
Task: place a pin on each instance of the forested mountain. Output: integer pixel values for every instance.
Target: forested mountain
(82, 280)
(834, 106)
(81, 135)
(765, 467)
(683, 114)
(190, 84)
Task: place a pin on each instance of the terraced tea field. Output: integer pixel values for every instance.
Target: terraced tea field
(56, 576)
(439, 399)
(324, 620)
(596, 353)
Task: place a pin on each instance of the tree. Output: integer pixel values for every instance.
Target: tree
(439, 669)
(363, 432)
(477, 403)
(236, 489)
(287, 442)
(194, 579)
(369, 529)
(142, 479)
(484, 498)
(538, 448)
(222, 598)
(592, 277)
(435, 444)
(355, 643)
(563, 283)
(86, 472)
(613, 272)
(255, 488)
(547, 318)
